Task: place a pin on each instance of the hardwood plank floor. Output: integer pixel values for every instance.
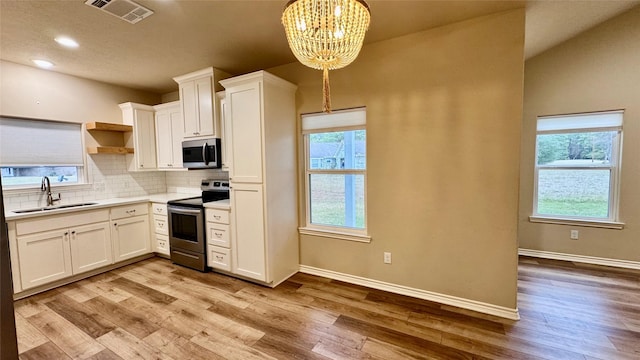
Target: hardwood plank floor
(157, 310)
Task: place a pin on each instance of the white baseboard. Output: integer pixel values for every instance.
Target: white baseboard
(473, 305)
(580, 258)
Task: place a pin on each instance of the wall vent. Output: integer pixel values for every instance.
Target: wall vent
(126, 10)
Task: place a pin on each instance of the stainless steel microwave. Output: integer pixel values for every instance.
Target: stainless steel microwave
(201, 154)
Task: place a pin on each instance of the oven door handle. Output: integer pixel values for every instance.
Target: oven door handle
(181, 210)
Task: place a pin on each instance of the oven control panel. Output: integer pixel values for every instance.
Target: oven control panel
(214, 185)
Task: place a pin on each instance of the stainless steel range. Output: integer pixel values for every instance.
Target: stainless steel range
(187, 224)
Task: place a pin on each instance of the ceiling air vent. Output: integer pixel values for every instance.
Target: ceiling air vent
(126, 10)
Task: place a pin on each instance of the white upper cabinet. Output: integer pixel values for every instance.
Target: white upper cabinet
(244, 109)
(169, 129)
(143, 139)
(198, 102)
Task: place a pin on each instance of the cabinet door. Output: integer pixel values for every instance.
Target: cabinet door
(205, 108)
(44, 257)
(90, 247)
(176, 138)
(189, 103)
(248, 231)
(244, 107)
(163, 139)
(130, 237)
(145, 149)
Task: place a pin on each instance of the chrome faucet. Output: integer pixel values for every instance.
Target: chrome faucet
(46, 186)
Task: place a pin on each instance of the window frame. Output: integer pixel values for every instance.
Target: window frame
(336, 232)
(614, 167)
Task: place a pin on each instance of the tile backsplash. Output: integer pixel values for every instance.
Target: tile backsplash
(108, 178)
(189, 181)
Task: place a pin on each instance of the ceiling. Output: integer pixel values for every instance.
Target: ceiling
(239, 36)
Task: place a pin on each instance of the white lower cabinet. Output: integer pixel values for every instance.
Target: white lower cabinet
(44, 257)
(160, 238)
(218, 239)
(90, 247)
(54, 247)
(48, 248)
(247, 224)
(130, 237)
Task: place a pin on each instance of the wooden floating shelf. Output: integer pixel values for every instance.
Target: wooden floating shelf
(101, 126)
(109, 150)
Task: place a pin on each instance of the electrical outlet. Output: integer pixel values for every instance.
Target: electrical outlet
(574, 234)
(387, 258)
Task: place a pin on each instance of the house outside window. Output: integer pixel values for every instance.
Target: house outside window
(335, 174)
(577, 167)
(31, 149)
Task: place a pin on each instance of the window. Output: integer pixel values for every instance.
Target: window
(31, 149)
(577, 166)
(335, 173)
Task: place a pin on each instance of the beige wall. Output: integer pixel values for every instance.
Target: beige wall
(598, 70)
(41, 94)
(443, 136)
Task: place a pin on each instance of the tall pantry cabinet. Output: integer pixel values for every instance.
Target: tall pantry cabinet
(261, 111)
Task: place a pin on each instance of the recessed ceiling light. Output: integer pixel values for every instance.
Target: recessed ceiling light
(43, 63)
(66, 42)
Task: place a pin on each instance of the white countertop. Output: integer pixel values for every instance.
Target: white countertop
(220, 204)
(158, 198)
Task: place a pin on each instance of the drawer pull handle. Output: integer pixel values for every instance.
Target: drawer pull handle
(219, 257)
(131, 211)
(217, 217)
(218, 235)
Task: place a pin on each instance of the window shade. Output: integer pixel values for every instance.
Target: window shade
(601, 120)
(337, 119)
(40, 143)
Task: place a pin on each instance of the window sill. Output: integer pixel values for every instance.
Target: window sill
(579, 222)
(36, 189)
(335, 234)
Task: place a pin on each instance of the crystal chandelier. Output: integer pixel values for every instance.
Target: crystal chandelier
(326, 34)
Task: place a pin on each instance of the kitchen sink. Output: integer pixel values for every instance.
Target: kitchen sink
(48, 208)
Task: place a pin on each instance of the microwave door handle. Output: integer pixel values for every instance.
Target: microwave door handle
(204, 153)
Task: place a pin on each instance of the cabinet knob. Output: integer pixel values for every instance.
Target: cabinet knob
(73, 232)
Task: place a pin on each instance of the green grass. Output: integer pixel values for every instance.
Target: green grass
(567, 207)
(582, 193)
(328, 200)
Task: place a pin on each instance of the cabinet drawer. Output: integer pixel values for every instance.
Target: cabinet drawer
(159, 209)
(218, 234)
(219, 258)
(127, 211)
(162, 244)
(160, 225)
(217, 216)
(52, 222)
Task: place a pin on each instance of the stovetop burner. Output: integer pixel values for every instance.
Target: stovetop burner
(212, 190)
